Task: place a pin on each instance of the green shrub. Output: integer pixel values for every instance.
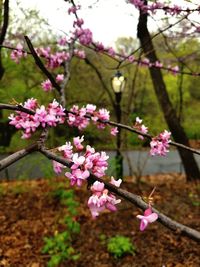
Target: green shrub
(119, 246)
(59, 246)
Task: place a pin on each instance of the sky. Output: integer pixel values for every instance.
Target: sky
(107, 19)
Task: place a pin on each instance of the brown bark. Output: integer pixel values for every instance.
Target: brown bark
(5, 13)
(189, 163)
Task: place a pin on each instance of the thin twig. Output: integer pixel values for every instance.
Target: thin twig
(154, 36)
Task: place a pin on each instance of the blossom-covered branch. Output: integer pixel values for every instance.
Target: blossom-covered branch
(134, 199)
(50, 121)
(170, 9)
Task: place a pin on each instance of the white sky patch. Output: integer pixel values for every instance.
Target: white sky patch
(107, 19)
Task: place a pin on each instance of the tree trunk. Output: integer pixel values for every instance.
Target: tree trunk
(188, 160)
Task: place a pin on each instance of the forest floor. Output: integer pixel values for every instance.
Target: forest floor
(29, 212)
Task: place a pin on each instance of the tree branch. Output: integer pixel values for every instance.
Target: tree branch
(112, 123)
(66, 66)
(5, 21)
(41, 65)
(4, 28)
(4, 163)
(16, 108)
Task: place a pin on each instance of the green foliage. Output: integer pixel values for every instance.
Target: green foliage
(113, 165)
(102, 238)
(120, 245)
(59, 247)
(195, 199)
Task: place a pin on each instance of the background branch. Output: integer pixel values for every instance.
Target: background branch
(4, 28)
(41, 65)
(4, 163)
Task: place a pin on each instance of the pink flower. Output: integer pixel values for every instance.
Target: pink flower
(103, 114)
(73, 9)
(18, 53)
(78, 23)
(31, 103)
(175, 70)
(101, 199)
(67, 150)
(111, 51)
(99, 47)
(160, 144)
(62, 41)
(147, 218)
(116, 182)
(138, 120)
(141, 127)
(114, 131)
(60, 78)
(131, 58)
(77, 176)
(77, 142)
(84, 35)
(144, 130)
(97, 187)
(78, 161)
(47, 85)
(80, 53)
(90, 108)
(57, 167)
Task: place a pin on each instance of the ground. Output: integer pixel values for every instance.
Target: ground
(28, 212)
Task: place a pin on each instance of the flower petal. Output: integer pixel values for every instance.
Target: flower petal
(143, 224)
(152, 218)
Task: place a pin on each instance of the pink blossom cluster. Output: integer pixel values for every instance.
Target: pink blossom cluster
(18, 53)
(147, 218)
(160, 144)
(82, 162)
(80, 53)
(101, 199)
(53, 60)
(62, 41)
(146, 63)
(153, 7)
(84, 36)
(73, 9)
(140, 127)
(51, 116)
(80, 117)
(78, 22)
(47, 85)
